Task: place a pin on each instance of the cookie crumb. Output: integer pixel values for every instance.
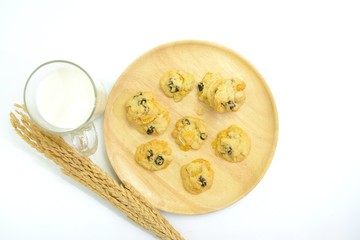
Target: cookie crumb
(200, 111)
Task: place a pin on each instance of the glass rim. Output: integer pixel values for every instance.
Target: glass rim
(66, 130)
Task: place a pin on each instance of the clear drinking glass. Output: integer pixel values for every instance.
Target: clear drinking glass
(62, 98)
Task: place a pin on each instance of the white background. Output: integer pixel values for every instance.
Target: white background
(309, 54)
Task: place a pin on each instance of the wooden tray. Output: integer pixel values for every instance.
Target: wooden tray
(257, 116)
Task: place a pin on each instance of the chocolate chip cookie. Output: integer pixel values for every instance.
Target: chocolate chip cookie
(146, 114)
(232, 144)
(222, 94)
(153, 155)
(177, 84)
(189, 133)
(197, 176)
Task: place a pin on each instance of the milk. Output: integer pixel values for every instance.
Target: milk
(65, 98)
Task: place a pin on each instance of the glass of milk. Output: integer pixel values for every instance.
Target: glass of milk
(62, 98)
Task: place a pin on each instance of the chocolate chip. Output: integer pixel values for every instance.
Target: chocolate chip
(203, 181)
(172, 87)
(228, 149)
(200, 87)
(159, 160)
(150, 154)
(150, 130)
(229, 104)
(137, 95)
(203, 136)
(185, 121)
(142, 101)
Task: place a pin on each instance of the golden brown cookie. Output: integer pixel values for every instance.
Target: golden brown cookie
(223, 95)
(153, 155)
(206, 83)
(148, 116)
(177, 84)
(157, 126)
(229, 95)
(189, 133)
(197, 176)
(141, 108)
(232, 144)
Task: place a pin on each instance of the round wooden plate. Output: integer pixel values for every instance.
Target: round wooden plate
(232, 181)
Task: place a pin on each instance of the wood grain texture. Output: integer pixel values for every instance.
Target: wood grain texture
(258, 117)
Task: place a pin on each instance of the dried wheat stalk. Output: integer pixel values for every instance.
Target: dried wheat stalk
(123, 196)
